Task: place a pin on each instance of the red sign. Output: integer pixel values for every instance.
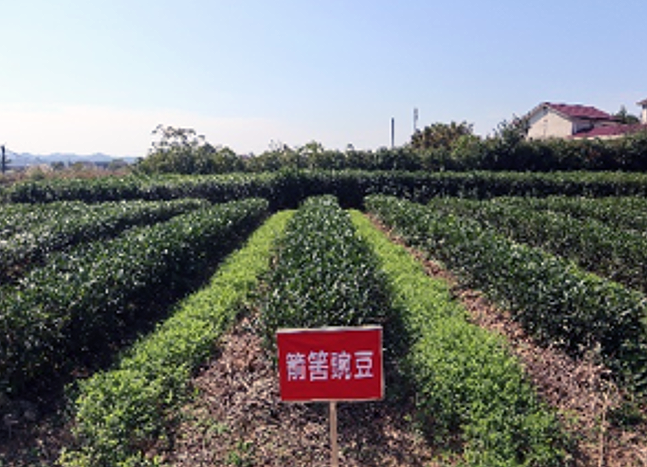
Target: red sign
(331, 364)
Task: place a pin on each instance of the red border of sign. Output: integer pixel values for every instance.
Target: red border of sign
(332, 339)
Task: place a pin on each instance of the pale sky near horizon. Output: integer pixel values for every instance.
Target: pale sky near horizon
(98, 76)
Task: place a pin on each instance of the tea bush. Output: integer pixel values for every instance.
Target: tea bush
(118, 411)
(30, 234)
(467, 382)
(73, 307)
(552, 298)
(612, 252)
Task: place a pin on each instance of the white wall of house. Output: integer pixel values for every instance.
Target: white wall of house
(643, 116)
(546, 123)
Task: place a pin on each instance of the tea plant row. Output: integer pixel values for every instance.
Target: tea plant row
(613, 252)
(467, 383)
(71, 310)
(31, 232)
(324, 274)
(551, 297)
(120, 410)
(333, 271)
(623, 212)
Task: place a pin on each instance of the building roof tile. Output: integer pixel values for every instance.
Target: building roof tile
(611, 130)
(580, 111)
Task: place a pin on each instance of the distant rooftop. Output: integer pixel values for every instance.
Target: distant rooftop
(580, 111)
(609, 131)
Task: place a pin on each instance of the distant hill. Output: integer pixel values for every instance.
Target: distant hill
(26, 159)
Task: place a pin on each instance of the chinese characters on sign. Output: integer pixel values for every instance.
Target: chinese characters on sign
(320, 366)
(330, 364)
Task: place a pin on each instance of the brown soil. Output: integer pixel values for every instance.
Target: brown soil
(27, 440)
(238, 419)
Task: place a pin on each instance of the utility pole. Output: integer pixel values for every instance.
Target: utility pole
(4, 160)
(392, 132)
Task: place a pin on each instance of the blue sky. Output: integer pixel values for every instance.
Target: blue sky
(99, 75)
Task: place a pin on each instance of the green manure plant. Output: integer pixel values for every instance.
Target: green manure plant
(552, 298)
(53, 227)
(118, 412)
(468, 386)
(70, 311)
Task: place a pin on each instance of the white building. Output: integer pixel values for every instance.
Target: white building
(549, 120)
(643, 115)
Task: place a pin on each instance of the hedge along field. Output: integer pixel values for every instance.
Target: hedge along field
(553, 299)
(467, 384)
(287, 188)
(118, 411)
(69, 312)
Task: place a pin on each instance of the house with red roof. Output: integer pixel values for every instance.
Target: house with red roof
(549, 120)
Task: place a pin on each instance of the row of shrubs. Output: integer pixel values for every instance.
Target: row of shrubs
(324, 275)
(287, 188)
(119, 411)
(553, 299)
(467, 386)
(30, 232)
(623, 212)
(68, 312)
(466, 381)
(508, 149)
(613, 252)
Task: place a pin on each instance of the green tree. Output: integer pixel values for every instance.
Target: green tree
(440, 135)
(625, 117)
(182, 150)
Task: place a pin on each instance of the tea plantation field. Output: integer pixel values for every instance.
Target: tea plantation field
(114, 293)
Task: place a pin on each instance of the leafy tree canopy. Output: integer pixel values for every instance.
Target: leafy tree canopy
(440, 135)
(182, 150)
(625, 117)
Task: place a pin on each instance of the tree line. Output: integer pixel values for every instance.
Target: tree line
(437, 147)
